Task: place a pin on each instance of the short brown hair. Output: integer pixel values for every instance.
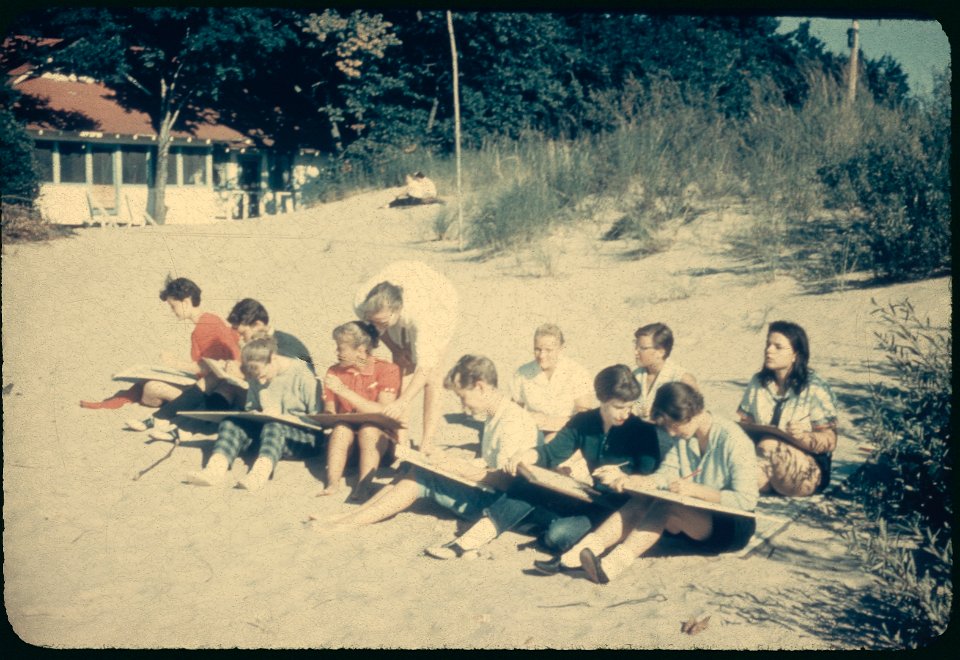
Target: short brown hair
(468, 371)
(660, 334)
(616, 382)
(676, 402)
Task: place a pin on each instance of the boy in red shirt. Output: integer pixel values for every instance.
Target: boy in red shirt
(359, 382)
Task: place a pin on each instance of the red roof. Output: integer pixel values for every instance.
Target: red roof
(74, 105)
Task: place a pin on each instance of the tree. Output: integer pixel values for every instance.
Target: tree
(21, 183)
(168, 62)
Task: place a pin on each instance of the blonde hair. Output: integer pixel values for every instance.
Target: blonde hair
(259, 350)
(549, 330)
(358, 334)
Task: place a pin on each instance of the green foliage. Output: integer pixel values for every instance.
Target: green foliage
(899, 179)
(18, 174)
(907, 482)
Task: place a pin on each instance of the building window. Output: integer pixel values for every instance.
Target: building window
(194, 167)
(43, 155)
(73, 163)
(135, 163)
(102, 165)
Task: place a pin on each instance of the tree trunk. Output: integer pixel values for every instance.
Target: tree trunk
(156, 196)
(158, 206)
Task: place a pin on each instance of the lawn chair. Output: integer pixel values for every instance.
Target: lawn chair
(102, 213)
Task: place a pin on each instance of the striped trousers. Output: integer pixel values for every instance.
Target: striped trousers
(277, 440)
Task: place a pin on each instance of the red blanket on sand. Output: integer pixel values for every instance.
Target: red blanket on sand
(121, 398)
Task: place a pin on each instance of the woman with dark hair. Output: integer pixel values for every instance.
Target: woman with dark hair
(712, 460)
(787, 394)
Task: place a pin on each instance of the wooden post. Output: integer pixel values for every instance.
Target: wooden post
(853, 40)
(456, 124)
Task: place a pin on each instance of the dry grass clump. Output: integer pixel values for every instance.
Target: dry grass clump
(21, 223)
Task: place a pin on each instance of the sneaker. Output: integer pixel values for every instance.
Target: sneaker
(166, 436)
(139, 424)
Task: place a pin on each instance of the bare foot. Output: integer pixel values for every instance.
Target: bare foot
(332, 489)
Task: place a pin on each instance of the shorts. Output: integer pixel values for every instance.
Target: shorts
(730, 533)
(465, 501)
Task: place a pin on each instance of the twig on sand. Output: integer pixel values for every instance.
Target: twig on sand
(660, 598)
(176, 443)
(577, 604)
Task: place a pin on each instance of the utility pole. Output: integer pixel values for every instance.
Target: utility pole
(853, 41)
(456, 123)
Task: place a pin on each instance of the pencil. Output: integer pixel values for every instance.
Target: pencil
(693, 474)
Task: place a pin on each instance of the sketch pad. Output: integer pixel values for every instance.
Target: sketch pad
(414, 457)
(558, 483)
(218, 416)
(142, 372)
(218, 368)
(692, 502)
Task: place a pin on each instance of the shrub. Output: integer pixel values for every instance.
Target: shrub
(907, 482)
(22, 222)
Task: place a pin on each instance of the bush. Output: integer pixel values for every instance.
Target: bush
(18, 172)
(22, 222)
(907, 483)
(899, 180)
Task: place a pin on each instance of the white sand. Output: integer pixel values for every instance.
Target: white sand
(95, 559)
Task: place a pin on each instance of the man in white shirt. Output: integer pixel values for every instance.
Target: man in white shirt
(552, 387)
(414, 308)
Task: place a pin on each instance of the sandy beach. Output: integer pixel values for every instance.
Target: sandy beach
(94, 558)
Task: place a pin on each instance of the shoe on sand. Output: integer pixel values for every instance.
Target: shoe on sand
(592, 566)
(451, 550)
(166, 436)
(206, 478)
(138, 424)
(258, 475)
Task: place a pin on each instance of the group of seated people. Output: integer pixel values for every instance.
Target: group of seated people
(624, 430)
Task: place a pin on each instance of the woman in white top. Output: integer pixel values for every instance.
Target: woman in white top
(652, 348)
(787, 394)
(552, 387)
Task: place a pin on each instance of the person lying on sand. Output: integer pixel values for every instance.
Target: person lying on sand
(420, 190)
(552, 387)
(277, 385)
(787, 394)
(712, 460)
(606, 436)
(211, 338)
(363, 383)
(414, 309)
(652, 346)
(507, 429)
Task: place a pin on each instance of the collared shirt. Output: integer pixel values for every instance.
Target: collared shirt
(554, 396)
(378, 376)
(670, 372)
(815, 407)
(728, 464)
(429, 313)
(509, 430)
(634, 442)
(294, 391)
